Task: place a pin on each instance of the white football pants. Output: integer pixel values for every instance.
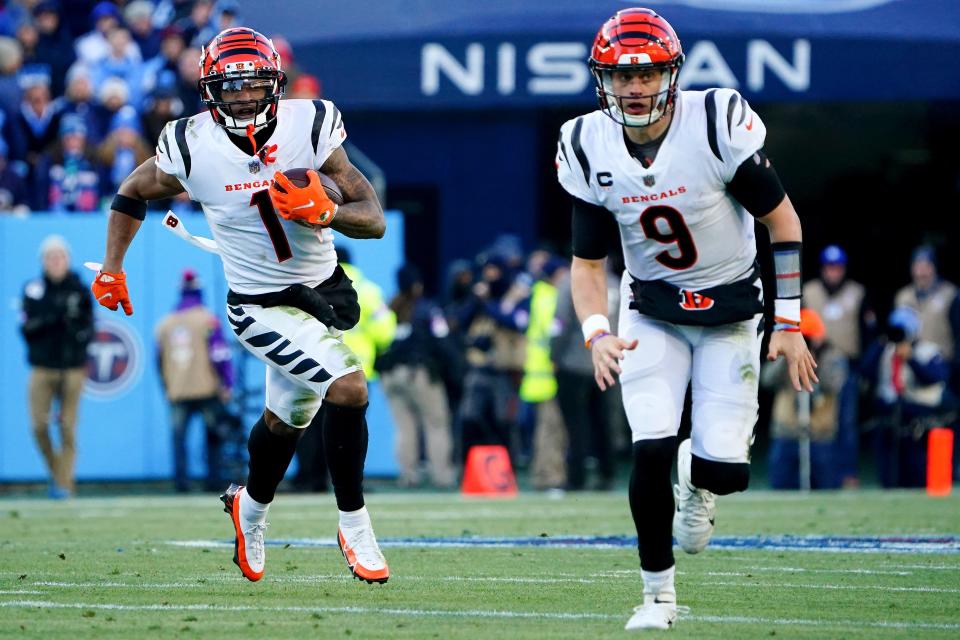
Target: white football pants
(722, 363)
(303, 357)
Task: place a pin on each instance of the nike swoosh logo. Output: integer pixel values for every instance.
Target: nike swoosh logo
(304, 206)
(711, 522)
(749, 125)
(105, 296)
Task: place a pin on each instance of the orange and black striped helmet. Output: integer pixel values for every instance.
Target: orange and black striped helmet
(636, 40)
(236, 59)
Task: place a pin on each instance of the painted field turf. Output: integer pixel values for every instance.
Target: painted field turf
(160, 567)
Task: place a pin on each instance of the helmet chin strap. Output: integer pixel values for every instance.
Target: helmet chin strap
(266, 153)
(253, 141)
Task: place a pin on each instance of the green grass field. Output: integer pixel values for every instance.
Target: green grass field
(112, 568)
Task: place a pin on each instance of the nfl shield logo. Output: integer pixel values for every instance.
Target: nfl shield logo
(649, 181)
(254, 166)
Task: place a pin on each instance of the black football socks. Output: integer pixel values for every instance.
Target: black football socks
(651, 501)
(345, 442)
(270, 455)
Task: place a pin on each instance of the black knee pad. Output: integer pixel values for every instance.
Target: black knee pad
(721, 478)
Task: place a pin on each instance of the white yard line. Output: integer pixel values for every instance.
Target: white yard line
(747, 570)
(340, 577)
(874, 587)
(591, 579)
(805, 544)
(931, 567)
(474, 613)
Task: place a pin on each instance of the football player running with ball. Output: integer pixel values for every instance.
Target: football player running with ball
(289, 300)
(681, 176)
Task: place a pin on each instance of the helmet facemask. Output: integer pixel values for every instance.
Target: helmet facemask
(658, 104)
(238, 114)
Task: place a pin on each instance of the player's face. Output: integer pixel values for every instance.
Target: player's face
(243, 94)
(635, 88)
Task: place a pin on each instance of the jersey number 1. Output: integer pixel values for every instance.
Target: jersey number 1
(676, 233)
(261, 200)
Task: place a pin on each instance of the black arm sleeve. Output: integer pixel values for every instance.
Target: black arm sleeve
(756, 185)
(594, 230)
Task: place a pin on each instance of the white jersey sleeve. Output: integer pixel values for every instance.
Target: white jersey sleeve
(173, 155)
(735, 132)
(573, 168)
(169, 159)
(328, 132)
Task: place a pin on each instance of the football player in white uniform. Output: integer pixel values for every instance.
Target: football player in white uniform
(289, 299)
(681, 177)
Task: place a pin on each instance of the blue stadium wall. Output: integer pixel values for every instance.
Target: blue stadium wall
(123, 430)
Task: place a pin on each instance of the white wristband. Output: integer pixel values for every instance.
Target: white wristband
(596, 322)
(786, 310)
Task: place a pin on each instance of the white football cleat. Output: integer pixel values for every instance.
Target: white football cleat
(362, 553)
(248, 549)
(656, 612)
(696, 508)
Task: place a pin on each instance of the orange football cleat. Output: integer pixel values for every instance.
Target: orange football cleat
(248, 546)
(362, 553)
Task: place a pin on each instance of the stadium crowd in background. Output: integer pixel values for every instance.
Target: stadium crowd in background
(85, 88)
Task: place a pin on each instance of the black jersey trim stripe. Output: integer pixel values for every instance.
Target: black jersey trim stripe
(578, 150)
(563, 152)
(711, 105)
(336, 120)
(562, 148)
(743, 110)
(317, 123)
(731, 106)
(180, 133)
(166, 143)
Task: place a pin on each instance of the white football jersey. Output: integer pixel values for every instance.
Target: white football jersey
(677, 221)
(261, 251)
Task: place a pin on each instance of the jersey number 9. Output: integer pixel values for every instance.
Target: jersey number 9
(676, 233)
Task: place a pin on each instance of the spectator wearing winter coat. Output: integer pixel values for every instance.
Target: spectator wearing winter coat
(71, 178)
(57, 324)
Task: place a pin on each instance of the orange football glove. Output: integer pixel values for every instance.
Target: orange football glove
(308, 204)
(110, 290)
